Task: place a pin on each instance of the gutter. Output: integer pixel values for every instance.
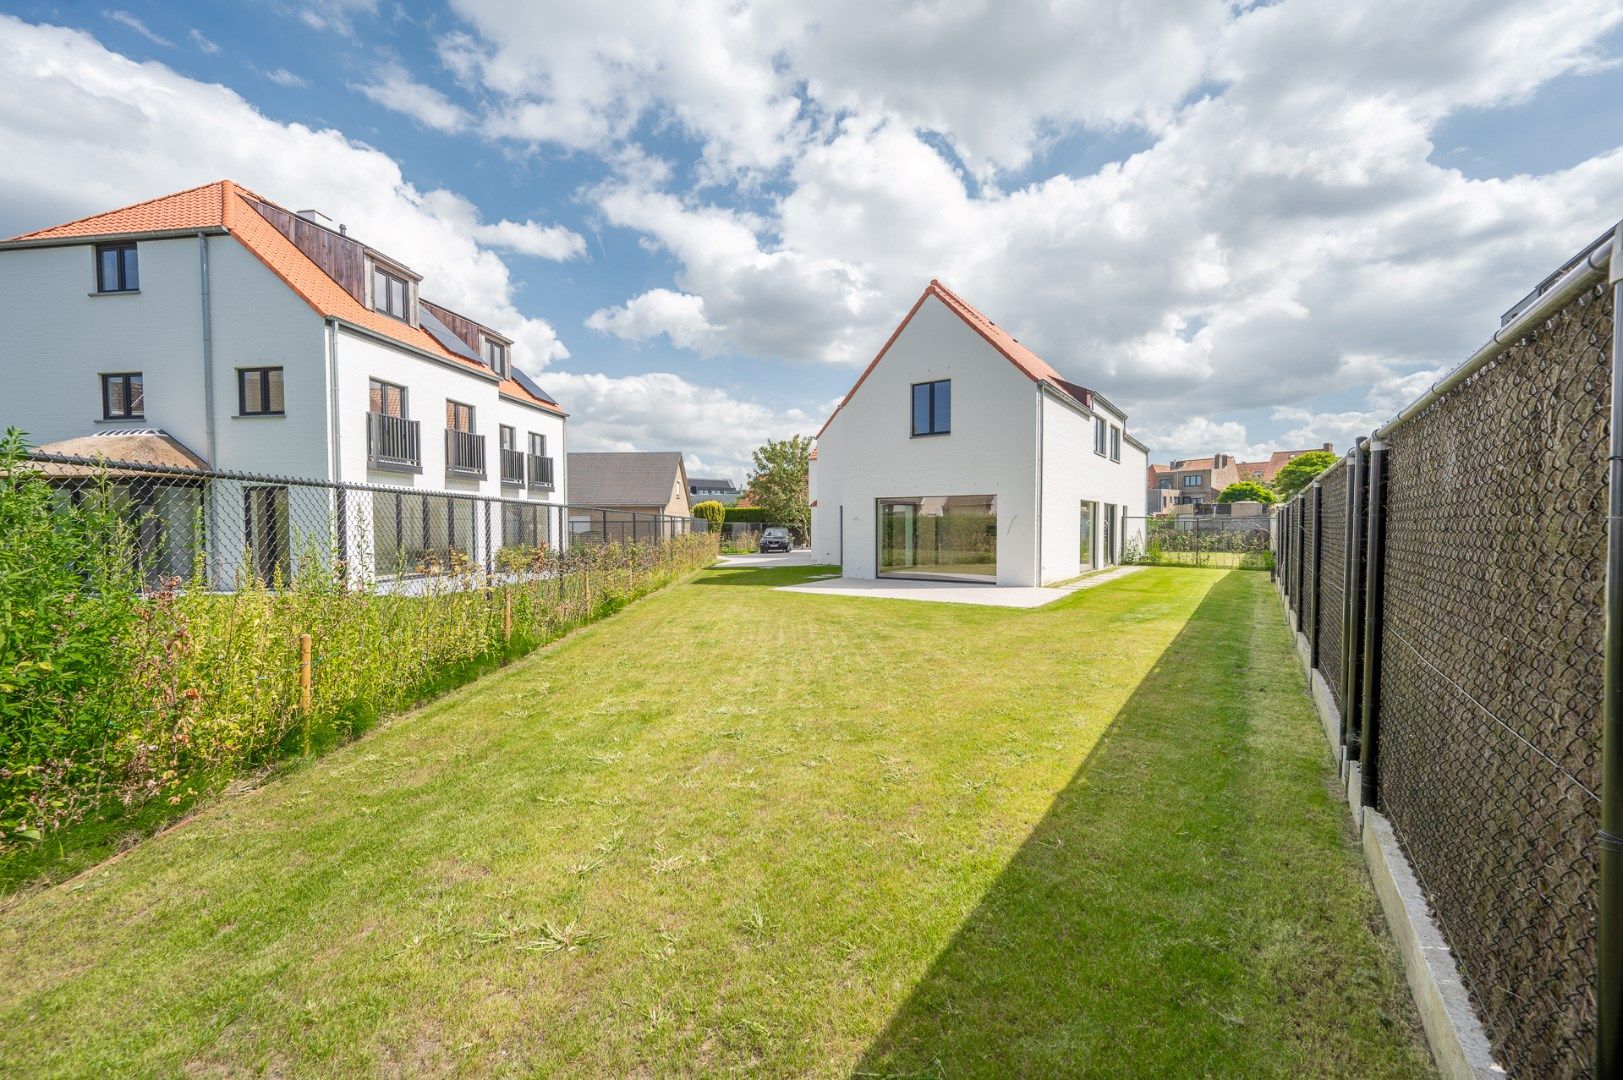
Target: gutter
(384, 339)
(19, 244)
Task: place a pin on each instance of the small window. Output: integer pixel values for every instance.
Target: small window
(122, 397)
(1100, 434)
(496, 356)
(117, 268)
(259, 391)
(1192, 480)
(538, 445)
(1166, 484)
(388, 399)
(507, 437)
(389, 293)
(458, 417)
(1115, 443)
(932, 407)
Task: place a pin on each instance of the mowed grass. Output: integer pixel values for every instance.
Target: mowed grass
(734, 830)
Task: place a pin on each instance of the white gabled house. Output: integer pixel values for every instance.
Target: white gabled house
(961, 454)
(266, 341)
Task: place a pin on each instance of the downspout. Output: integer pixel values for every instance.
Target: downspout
(1374, 615)
(208, 348)
(1609, 918)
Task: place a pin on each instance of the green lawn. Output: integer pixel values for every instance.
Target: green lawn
(737, 830)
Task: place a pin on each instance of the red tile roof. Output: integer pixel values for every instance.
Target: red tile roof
(1030, 364)
(225, 205)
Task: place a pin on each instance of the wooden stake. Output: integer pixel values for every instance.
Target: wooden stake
(507, 615)
(304, 673)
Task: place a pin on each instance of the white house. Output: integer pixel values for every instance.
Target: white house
(267, 341)
(961, 454)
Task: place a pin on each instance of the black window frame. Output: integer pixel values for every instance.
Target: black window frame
(405, 293)
(912, 408)
(496, 356)
(1115, 443)
(125, 265)
(1100, 435)
(264, 374)
(107, 402)
(508, 432)
(385, 384)
(536, 439)
(451, 411)
(1193, 480)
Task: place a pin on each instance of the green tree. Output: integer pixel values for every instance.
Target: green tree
(778, 483)
(1299, 472)
(1247, 491)
(713, 512)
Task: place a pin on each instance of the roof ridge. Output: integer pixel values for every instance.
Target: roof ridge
(119, 209)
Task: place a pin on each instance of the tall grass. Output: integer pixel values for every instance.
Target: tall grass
(114, 697)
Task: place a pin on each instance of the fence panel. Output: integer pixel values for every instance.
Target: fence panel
(1331, 571)
(1211, 540)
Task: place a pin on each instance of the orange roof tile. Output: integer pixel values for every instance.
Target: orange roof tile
(225, 204)
(1033, 366)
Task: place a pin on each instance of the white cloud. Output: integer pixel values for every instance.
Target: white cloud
(679, 316)
(131, 22)
(73, 111)
(531, 238)
(663, 411)
(202, 42)
(1198, 436)
(394, 88)
(284, 77)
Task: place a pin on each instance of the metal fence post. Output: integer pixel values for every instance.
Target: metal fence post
(1374, 614)
(1609, 911)
(1352, 628)
(1316, 591)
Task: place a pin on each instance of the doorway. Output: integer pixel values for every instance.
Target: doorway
(1088, 550)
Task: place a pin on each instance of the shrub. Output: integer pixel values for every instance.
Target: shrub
(713, 512)
(753, 514)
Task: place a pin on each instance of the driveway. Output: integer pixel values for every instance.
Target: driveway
(794, 558)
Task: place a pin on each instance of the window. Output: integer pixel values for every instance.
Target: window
(538, 445)
(932, 407)
(496, 356)
(117, 268)
(1099, 435)
(942, 536)
(122, 397)
(1192, 480)
(458, 417)
(389, 293)
(1115, 443)
(507, 437)
(1166, 483)
(259, 391)
(387, 399)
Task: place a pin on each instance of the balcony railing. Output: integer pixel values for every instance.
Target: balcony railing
(393, 443)
(464, 454)
(540, 472)
(512, 466)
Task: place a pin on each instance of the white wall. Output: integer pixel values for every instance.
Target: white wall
(1073, 473)
(868, 451)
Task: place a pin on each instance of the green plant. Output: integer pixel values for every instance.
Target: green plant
(1299, 471)
(1247, 491)
(778, 484)
(713, 512)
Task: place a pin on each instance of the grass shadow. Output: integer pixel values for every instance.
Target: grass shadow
(763, 576)
(1190, 905)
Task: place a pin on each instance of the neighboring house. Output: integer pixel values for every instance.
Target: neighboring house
(653, 482)
(1264, 471)
(705, 489)
(961, 454)
(261, 340)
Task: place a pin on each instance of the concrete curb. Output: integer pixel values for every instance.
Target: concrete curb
(1458, 1042)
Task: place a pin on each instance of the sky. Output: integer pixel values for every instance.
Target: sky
(1253, 226)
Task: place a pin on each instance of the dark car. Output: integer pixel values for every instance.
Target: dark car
(775, 539)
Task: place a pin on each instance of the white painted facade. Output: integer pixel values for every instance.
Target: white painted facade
(1027, 443)
(62, 336)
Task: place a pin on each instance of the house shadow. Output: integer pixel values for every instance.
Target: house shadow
(770, 577)
(1109, 944)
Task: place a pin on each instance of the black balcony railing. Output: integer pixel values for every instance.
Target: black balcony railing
(541, 472)
(464, 454)
(512, 466)
(393, 443)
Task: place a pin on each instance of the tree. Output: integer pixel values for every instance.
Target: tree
(1299, 472)
(778, 483)
(1246, 491)
(713, 512)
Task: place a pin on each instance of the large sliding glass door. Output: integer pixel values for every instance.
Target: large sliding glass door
(1110, 534)
(1089, 553)
(939, 536)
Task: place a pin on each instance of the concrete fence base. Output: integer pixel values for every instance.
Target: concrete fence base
(1458, 1042)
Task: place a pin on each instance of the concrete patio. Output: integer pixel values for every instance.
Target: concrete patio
(951, 592)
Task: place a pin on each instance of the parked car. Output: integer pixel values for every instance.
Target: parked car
(776, 539)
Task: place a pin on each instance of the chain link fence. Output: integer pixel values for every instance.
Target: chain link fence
(188, 624)
(1213, 540)
(1484, 695)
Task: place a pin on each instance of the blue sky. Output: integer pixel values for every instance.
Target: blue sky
(1253, 227)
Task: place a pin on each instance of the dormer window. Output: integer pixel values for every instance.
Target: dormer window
(496, 356)
(389, 294)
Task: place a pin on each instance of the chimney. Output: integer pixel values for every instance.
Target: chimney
(1330, 447)
(316, 217)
